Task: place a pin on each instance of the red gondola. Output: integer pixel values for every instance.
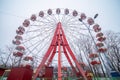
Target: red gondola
(18, 54)
(90, 21)
(98, 29)
(20, 48)
(58, 11)
(17, 37)
(99, 44)
(93, 55)
(19, 32)
(75, 13)
(101, 39)
(83, 16)
(66, 11)
(41, 14)
(95, 62)
(33, 17)
(26, 23)
(49, 11)
(21, 28)
(102, 50)
(27, 58)
(99, 34)
(96, 26)
(17, 42)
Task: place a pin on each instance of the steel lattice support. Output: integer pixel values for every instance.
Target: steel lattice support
(52, 56)
(59, 51)
(59, 41)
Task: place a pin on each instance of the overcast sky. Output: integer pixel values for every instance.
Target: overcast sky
(13, 12)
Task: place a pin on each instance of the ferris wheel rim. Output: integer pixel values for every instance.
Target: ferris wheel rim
(75, 17)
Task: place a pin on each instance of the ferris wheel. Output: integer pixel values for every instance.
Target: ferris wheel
(35, 35)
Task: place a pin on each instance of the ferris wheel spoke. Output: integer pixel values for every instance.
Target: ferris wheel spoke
(63, 18)
(71, 42)
(48, 20)
(47, 31)
(36, 36)
(73, 21)
(53, 18)
(38, 44)
(76, 32)
(74, 36)
(43, 24)
(43, 47)
(76, 26)
(67, 19)
(39, 30)
(31, 51)
(42, 21)
(35, 30)
(28, 50)
(28, 39)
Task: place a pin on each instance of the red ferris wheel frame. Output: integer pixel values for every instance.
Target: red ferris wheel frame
(59, 41)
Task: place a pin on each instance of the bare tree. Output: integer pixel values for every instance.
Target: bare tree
(6, 58)
(113, 53)
(2, 58)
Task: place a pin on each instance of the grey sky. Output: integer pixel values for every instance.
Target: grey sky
(13, 12)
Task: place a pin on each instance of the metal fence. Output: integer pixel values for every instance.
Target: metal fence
(74, 78)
